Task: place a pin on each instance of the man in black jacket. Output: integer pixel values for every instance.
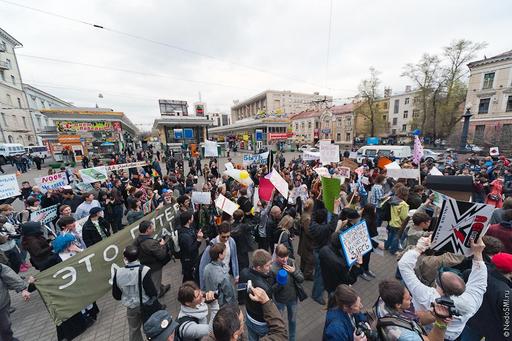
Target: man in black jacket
(95, 228)
(189, 242)
(261, 277)
(152, 253)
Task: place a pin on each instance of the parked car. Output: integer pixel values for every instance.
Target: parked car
(371, 151)
(431, 156)
(304, 148)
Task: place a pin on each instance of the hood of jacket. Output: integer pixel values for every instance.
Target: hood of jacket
(200, 312)
(395, 200)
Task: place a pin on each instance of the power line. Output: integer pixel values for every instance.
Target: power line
(172, 46)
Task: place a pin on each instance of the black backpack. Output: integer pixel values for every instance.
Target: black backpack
(182, 321)
(385, 211)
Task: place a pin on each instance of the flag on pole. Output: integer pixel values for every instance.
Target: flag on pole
(417, 155)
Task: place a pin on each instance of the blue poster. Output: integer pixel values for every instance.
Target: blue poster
(178, 134)
(189, 133)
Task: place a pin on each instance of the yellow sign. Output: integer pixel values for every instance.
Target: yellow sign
(246, 137)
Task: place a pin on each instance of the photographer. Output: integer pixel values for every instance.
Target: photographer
(466, 298)
(8, 246)
(344, 315)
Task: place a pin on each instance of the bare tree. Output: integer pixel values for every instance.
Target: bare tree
(369, 94)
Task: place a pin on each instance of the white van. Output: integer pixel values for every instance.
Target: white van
(399, 152)
(40, 151)
(8, 150)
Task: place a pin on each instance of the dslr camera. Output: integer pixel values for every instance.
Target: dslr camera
(448, 303)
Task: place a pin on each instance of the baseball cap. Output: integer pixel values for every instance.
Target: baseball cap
(160, 326)
(95, 210)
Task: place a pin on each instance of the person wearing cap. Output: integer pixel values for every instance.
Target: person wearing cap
(288, 277)
(125, 288)
(68, 226)
(160, 327)
(95, 228)
(491, 320)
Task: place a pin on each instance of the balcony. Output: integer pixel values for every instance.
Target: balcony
(4, 65)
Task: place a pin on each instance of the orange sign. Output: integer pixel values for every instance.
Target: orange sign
(383, 161)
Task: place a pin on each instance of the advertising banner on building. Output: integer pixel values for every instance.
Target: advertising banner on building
(75, 126)
(71, 285)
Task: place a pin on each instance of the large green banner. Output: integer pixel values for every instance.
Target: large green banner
(70, 286)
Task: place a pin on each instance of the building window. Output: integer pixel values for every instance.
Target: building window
(42, 103)
(349, 121)
(384, 117)
(8, 61)
(309, 125)
(509, 104)
(386, 105)
(397, 104)
(506, 134)
(338, 136)
(47, 121)
(488, 80)
(19, 102)
(393, 131)
(347, 137)
(296, 126)
(25, 122)
(406, 114)
(38, 119)
(415, 113)
(483, 107)
(406, 100)
(13, 79)
(479, 133)
(338, 123)
(302, 125)
(317, 125)
(11, 139)
(4, 120)
(404, 127)
(9, 99)
(395, 121)
(416, 99)
(2, 75)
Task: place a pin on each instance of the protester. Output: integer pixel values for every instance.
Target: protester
(189, 241)
(95, 229)
(83, 209)
(306, 242)
(399, 212)
(9, 280)
(216, 275)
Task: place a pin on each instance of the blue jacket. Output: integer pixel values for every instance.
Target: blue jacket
(205, 259)
(338, 326)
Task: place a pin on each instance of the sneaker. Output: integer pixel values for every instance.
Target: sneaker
(370, 273)
(365, 277)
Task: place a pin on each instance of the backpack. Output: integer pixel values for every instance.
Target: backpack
(396, 321)
(183, 321)
(385, 211)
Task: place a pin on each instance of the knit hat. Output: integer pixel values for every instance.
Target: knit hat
(62, 242)
(503, 262)
(31, 228)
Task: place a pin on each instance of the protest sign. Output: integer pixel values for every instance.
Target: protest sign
(44, 215)
(83, 187)
(68, 287)
(350, 164)
(255, 158)
(383, 161)
(9, 186)
(458, 223)
(365, 180)
(146, 207)
(279, 183)
(112, 168)
(494, 151)
(355, 242)
(435, 171)
(204, 198)
(90, 175)
(229, 166)
(329, 152)
(344, 172)
(53, 181)
(242, 176)
(226, 205)
(392, 165)
(353, 155)
(310, 156)
(265, 189)
(210, 149)
(322, 171)
(330, 191)
(403, 173)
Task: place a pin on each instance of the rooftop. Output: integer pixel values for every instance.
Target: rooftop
(10, 38)
(263, 94)
(41, 92)
(498, 58)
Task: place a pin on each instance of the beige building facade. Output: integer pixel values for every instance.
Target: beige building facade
(489, 99)
(306, 126)
(15, 122)
(272, 102)
(402, 111)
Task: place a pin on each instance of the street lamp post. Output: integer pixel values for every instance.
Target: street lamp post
(465, 129)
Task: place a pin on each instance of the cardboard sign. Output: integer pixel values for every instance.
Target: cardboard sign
(53, 181)
(210, 149)
(355, 242)
(279, 183)
(329, 153)
(458, 222)
(112, 168)
(344, 172)
(90, 175)
(350, 164)
(44, 215)
(9, 186)
(204, 198)
(226, 205)
(403, 173)
(310, 156)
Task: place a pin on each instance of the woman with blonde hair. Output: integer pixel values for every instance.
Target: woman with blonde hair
(306, 243)
(282, 234)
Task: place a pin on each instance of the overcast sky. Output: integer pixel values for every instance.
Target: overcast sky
(286, 40)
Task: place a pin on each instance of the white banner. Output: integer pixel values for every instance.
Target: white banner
(322, 171)
(204, 198)
(403, 173)
(226, 205)
(310, 156)
(90, 175)
(9, 186)
(53, 181)
(210, 149)
(329, 152)
(279, 183)
(112, 168)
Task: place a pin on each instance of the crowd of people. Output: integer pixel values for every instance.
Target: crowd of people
(251, 257)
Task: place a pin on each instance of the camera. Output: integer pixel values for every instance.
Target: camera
(364, 328)
(448, 303)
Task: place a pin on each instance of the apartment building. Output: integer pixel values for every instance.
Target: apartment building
(402, 111)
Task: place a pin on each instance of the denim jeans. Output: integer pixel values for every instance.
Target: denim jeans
(254, 330)
(391, 243)
(292, 317)
(318, 281)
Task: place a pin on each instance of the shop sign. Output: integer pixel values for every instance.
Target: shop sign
(73, 126)
(279, 136)
(326, 131)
